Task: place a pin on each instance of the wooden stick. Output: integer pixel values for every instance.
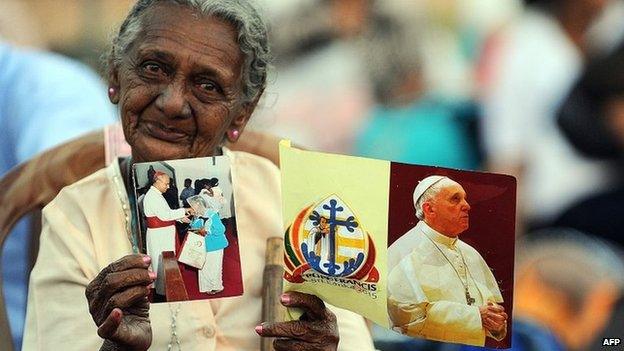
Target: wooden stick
(272, 309)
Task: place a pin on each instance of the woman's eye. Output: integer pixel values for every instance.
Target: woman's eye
(208, 86)
(152, 68)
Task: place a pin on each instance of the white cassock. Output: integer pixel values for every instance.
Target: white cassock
(427, 296)
(161, 237)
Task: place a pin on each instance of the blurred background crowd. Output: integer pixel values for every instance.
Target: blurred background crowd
(532, 88)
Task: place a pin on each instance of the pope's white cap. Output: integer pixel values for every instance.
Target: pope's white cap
(424, 185)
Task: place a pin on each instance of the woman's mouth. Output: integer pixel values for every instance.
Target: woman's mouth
(159, 131)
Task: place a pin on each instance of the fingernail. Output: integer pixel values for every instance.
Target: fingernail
(147, 259)
(285, 298)
(258, 329)
(152, 275)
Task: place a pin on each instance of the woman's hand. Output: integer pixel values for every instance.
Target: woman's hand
(316, 330)
(119, 305)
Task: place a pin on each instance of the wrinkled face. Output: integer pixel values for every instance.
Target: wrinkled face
(448, 211)
(179, 85)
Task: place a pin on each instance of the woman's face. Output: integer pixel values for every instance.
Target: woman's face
(179, 85)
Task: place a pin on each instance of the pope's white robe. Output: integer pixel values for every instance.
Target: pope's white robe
(426, 297)
(160, 239)
(85, 229)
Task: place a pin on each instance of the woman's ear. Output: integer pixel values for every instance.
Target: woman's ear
(239, 122)
(113, 85)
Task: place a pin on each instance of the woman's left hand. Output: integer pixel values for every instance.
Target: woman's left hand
(316, 330)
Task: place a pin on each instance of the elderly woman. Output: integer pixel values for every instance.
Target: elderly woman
(187, 75)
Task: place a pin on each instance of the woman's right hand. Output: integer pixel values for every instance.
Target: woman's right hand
(119, 305)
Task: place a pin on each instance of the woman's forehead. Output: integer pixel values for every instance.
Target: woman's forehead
(178, 33)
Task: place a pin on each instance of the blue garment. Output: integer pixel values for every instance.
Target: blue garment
(429, 131)
(216, 240)
(186, 193)
(215, 234)
(45, 99)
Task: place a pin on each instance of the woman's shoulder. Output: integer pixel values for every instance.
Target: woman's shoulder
(91, 190)
(245, 159)
(254, 171)
(257, 190)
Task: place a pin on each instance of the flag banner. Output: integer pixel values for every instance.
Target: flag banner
(425, 251)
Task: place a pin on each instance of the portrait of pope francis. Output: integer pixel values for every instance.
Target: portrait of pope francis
(439, 287)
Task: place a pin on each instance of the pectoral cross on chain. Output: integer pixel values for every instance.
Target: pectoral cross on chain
(469, 299)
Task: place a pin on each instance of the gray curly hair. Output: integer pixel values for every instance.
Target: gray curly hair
(242, 14)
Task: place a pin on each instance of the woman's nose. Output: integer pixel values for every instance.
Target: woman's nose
(172, 101)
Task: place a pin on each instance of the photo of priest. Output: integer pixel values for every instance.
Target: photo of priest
(439, 287)
(191, 235)
(161, 224)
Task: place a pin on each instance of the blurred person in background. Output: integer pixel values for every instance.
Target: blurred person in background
(323, 52)
(408, 123)
(536, 62)
(320, 79)
(592, 119)
(45, 99)
(567, 286)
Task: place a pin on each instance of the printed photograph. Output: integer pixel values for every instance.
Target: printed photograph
(187, 225)
(425, 252)
(451, 254)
